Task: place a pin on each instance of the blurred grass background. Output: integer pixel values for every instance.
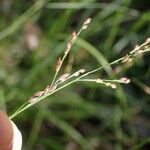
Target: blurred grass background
(33, 35)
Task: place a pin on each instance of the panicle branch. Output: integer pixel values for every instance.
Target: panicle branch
(68, 48)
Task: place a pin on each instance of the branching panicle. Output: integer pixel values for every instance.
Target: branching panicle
(79, 76)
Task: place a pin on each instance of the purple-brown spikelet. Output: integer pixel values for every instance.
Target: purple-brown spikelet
(58, 65)
(125, 80)
(63, 77)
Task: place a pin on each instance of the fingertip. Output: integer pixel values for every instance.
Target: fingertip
(6, 132)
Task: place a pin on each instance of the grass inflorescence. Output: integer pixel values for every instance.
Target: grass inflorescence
(64, 80)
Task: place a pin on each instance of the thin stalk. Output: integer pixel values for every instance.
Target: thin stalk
(64, 57)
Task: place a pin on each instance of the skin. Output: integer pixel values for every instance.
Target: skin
(6, 132)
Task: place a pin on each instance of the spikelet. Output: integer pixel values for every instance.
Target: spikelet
(39, 93)
(69, 45)
(82, 70)
(74, 36)
(86, 23)
(32, 99)
(125, 80)
(113, 86)
(53, 88)
(127, 59)
(77, 73)
(58, 65)
(63, 77)
(47, 90)
(99, 80)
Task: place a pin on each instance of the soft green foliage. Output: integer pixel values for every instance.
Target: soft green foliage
(85, 115)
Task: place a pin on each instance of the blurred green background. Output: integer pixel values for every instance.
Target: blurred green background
(33, 34)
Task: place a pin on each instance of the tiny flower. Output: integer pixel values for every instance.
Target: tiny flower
(125, 59)
(148, 40)
(59, 62)
(87, 21)
(108, 84)
(32, 99)
(82, 70)
(63, 77)
(84, 27)
(139, 51)
(129, 60)
(39, 93)
(74, 36)
(146, 46)
(68, 48)
(113, 86)
(125, 80)
(147, 89)
(76, 73)
(53, 88)
(136, 48)
(99, 80)
(47, 89)
(69, 45)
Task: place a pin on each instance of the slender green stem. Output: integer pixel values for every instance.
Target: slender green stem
(21, 109)
(94, 80)
(115, 81)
